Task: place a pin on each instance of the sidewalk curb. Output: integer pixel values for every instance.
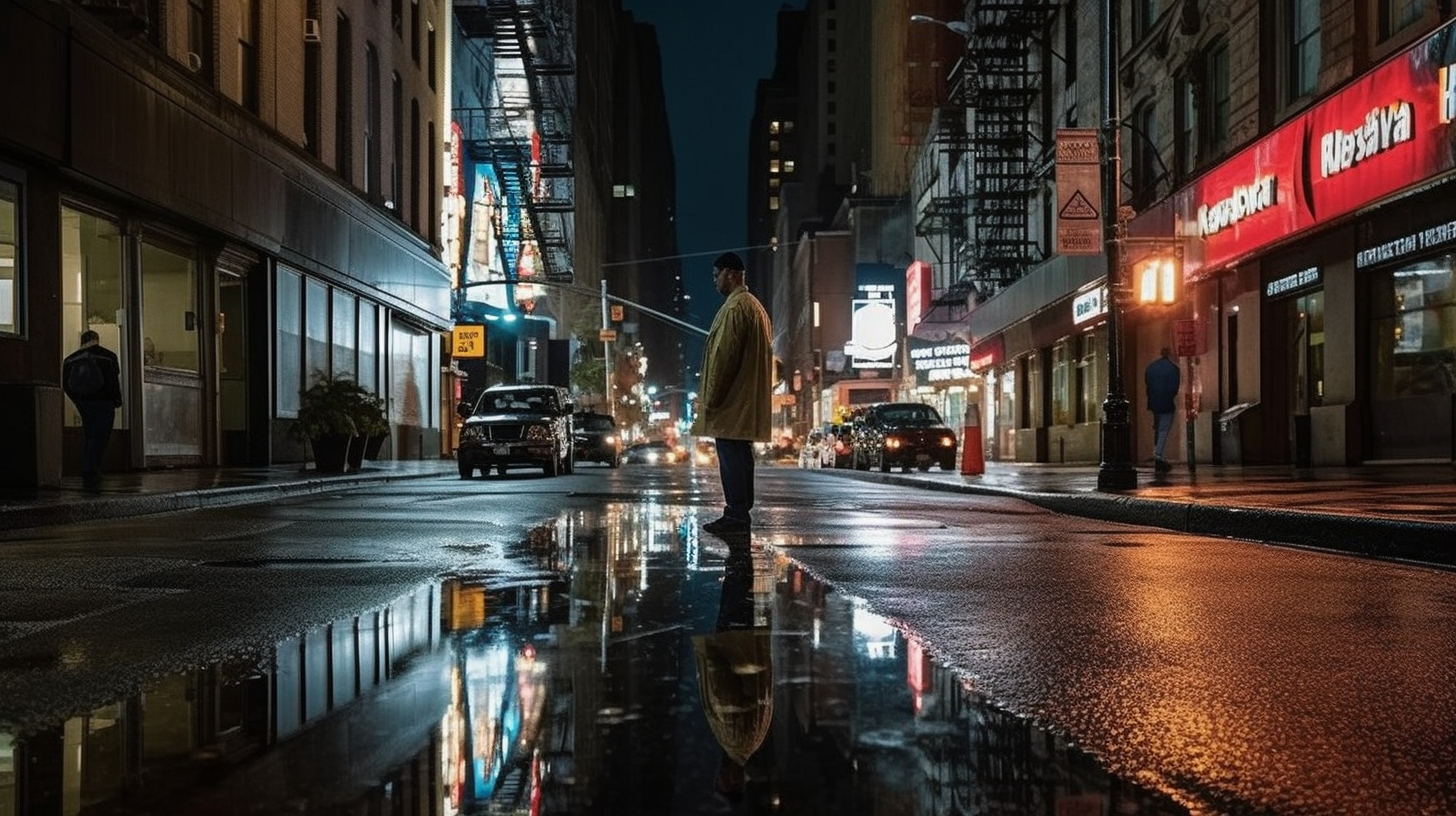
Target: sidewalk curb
(1432, 543)
(101, 507)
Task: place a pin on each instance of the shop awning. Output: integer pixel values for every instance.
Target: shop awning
(943, 323)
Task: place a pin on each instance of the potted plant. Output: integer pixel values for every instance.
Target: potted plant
(328, 412)
(371, 426)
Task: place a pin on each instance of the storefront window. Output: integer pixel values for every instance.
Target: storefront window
(315, 330)
(1006, 416)
(9, 258)
(1035, 384)
(1413, 359)
(344, 335)
(1092, 376)
(91, 292)
(1309, 350)
(1063, 383)
(288, 311)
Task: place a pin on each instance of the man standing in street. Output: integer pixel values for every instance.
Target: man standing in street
(735, 401)
(91, 377)
(1162, 378)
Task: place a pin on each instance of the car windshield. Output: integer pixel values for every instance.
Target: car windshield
(535, 401)
(909, 414)
(596, 423)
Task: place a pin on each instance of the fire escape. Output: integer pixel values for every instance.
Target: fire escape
(982, 210)
(525, 134)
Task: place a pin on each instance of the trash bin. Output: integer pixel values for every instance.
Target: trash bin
(1231, 433)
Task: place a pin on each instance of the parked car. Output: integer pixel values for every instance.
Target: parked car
(904, 434)
(595, 438)
(652, 453)
(516, 425)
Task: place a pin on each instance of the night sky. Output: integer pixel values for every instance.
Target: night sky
(713, 54)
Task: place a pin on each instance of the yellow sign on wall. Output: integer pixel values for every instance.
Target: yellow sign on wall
(469, 341)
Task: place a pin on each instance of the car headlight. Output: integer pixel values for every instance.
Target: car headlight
(472, 433)
(893, 443)
(609, 440)
(537, 433)
(947, 441)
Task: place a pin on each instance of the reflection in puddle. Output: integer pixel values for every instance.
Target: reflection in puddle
(624, 666)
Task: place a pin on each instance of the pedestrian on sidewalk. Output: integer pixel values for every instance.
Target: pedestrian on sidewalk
(1162, 378)
(91, 377)
(735, 397)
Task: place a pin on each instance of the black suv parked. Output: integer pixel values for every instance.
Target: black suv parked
(596, 439)
(513, 425)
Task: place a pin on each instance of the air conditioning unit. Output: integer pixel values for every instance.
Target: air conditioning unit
(312, 31)
(194, 61)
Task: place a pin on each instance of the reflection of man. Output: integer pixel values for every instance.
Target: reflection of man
(735, 675)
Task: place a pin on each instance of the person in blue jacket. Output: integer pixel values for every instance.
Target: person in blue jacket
(1163, 379)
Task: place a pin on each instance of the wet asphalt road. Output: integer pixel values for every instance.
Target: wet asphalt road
(523, 643)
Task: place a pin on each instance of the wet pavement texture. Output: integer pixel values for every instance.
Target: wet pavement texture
(577, 645)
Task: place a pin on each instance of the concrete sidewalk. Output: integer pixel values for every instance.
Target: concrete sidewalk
(1390, 511)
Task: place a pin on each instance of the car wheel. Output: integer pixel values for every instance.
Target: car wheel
(948, 464)
(922, 466)
(614, 462)
(553, 467)
(466, 469)
(500, 470)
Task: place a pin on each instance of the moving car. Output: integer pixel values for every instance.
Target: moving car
(515, 425)
(651, 453)
(595, 438)
(907, 434)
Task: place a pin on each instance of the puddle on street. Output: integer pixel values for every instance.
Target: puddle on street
(622, 665)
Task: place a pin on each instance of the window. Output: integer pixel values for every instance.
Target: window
(315, 330)
(829, 87)
(830, 24)
(413, 190)
(312, 87)
(396, 17)
(397, 126)
(773, 202)
(1069, 42)
(1185, 123)
(773, 145)
(1091, 376)
(1145, 161)
(830, 128)
(1413, 358)
(773, 183)
(1063, 383)
(430, 44)
(10, 280)
(1215, 109)
(288, 314)
(829, 45)
(773, 165)
(1304, 48)
(415, 31)
(344, 102)
(1144, 14)
(1395, 15)
(788, 165)
(92, 288)
(432, 187)
(345, 354)
(830, 64)
(373, 121)
(248, 55)
(198, 38)
(789, 126)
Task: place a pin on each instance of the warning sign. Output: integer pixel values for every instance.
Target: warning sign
(469, 341)
(1079, 192)
(617, 313)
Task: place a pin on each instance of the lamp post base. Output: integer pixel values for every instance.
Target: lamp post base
(1116, 472)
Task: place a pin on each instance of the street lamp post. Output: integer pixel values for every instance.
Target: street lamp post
(1116, 472)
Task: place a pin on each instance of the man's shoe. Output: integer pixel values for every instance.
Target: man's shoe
(727, 526)
(1161, 465)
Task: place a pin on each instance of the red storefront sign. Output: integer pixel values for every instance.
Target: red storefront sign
(1386, 131)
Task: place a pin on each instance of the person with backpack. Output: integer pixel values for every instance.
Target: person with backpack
(91, 377)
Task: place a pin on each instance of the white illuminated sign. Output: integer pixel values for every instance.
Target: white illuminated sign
(1089, 305)
(1384, 128)
(873, 337)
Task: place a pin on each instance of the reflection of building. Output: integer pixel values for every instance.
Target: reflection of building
(161, 185)
(251, 730)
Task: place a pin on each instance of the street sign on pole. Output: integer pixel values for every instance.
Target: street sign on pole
(468, 341)
(1079, 192)
(607, 335)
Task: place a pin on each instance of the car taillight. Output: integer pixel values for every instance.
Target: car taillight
(947, 441)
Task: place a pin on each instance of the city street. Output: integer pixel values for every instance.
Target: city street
(534, 644)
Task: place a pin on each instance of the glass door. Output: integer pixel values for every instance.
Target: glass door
(232, 367)
(172, 390)
(1307, 369)
(93, 296)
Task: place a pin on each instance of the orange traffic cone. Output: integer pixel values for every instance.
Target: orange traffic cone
(973, 455)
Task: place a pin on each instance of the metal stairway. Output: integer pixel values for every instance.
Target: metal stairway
(526, 133)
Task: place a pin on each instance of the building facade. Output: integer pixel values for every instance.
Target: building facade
(231, 231)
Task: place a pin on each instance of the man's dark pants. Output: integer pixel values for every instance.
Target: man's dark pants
(735, 469)
(97, 417)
